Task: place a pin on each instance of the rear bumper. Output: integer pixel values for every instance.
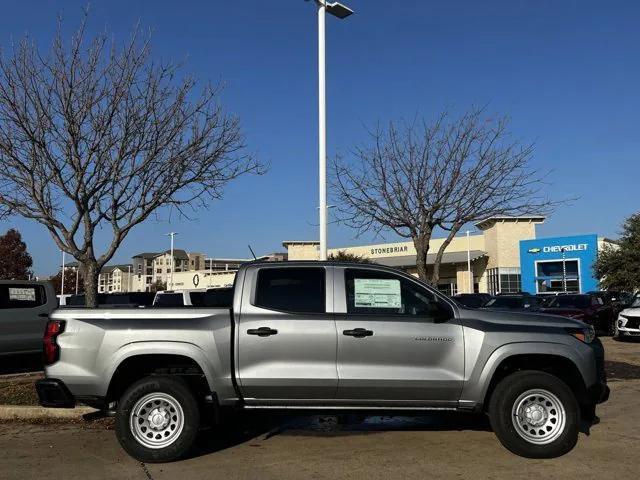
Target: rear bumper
(54, 393)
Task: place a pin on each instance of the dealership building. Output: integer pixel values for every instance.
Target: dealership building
(561, 264)
(506, 257)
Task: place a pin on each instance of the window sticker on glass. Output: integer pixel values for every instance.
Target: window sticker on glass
(22, 294)
(377, 293)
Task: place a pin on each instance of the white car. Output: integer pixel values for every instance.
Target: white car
(628, 324)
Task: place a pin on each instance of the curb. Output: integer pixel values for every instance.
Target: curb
(19, 412)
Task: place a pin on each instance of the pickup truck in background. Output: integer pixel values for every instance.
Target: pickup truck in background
(24, 310)
(324, 335)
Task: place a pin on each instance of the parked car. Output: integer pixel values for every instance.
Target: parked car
(514, 302)
(591, 309)
(24, 310)
(628, 322)
(315, 335)
(472, 300)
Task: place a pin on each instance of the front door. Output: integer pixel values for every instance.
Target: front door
(398, 341)
(286, 339)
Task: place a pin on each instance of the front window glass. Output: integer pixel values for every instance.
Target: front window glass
(375, 292)
(22, 296)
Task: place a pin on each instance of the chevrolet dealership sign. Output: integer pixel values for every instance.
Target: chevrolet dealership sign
(579, 247)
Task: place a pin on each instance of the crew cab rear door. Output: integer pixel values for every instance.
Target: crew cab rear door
(398, 342)
(286, 338)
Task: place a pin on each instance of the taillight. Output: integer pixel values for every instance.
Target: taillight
(51, 352)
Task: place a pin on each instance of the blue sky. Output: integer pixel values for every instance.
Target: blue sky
(567, 72)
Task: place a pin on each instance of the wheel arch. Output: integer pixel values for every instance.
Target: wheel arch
(555, 358)
(137, 360)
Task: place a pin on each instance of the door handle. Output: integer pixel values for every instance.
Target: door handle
(358, 333)
(262, 331)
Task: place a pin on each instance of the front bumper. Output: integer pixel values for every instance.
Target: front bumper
(599, 391)
(54, 393)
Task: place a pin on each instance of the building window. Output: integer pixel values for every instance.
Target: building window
(504, 280)
(558, 276)
(449, 288)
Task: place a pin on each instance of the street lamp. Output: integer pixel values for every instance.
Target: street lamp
(471, 290)
(62, 281)
(340, 11)
(171, 234)
(564, 271)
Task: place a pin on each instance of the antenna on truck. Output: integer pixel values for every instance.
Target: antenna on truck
(251, 250)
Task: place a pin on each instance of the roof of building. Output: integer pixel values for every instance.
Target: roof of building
(177, 253)
(300, 242)
(491, 221)
(146, 255)
(110, 268)
(410, 260)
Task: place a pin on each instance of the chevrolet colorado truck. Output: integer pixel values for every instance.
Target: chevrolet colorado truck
(324, 335)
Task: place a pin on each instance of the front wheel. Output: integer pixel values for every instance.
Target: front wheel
(157, 419)
(535, 415)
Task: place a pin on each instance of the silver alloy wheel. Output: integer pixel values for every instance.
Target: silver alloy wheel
(156, 420)
(538, 416)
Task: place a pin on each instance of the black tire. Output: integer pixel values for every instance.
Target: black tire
(182, 442)
(502, 403)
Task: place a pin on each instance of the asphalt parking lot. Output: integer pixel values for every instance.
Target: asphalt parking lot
(352, 447)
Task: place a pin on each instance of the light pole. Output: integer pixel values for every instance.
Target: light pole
(171, 234)
(77, 273)
(564, 271)
(128, 278)
(62, 282)
(469, 262)
(340, 11)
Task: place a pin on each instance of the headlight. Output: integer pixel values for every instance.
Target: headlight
(586, 335)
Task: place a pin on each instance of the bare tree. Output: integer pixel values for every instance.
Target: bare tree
(414, 178)
(95, 136)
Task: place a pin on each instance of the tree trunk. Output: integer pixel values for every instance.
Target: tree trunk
(435, 275)
(421, 244)
(90, 272)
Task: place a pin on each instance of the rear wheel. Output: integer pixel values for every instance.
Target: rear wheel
(157, 419)
(535, 415)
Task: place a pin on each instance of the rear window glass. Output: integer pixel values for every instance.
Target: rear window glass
(169, 300)
(294, 290)
(22, 296)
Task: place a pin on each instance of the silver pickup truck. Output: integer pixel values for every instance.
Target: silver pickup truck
(321, 335)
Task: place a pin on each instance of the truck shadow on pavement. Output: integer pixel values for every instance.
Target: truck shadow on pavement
(257, 428)
(621, 371)
(21, 364)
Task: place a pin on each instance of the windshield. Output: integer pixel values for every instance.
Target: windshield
(169, 300)
(505, 302)
(570, 301)
(636, 302)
